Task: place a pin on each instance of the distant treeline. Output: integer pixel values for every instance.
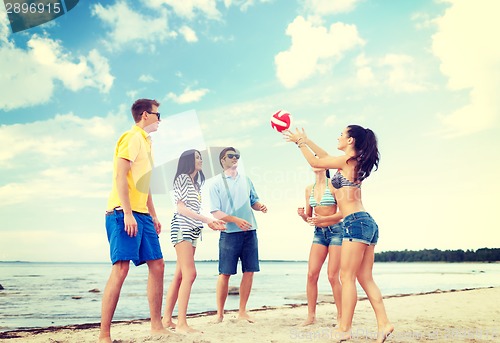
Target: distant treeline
(435, 255)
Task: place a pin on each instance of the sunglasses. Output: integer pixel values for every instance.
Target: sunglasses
(157, 114)
(230, 156)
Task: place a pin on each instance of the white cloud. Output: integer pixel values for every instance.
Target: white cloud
(147, 78)
(364, 70)
(71, 155)
(132, 94)
(465, 45)
(4, 28)
(31, 73)
(51, 138)
(314, 49)
(402, 76)
(188, 34)
(326, 7)
(188, 8)
(398, 72)
(188, 96)
(128, 26)
(331, 121)
(100, 74)
(60, 183)
(245, 4)
(422, 20)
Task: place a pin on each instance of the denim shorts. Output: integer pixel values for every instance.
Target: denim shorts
(179, 237)
(139, 249)
(236, 246)
(329, 235)
(360, 227)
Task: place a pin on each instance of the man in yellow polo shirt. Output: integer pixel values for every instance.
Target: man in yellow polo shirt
(131, 223)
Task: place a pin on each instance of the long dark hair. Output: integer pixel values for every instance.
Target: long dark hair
(367, 154)
(186, 166)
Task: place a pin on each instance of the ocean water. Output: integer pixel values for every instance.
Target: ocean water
(54, 294)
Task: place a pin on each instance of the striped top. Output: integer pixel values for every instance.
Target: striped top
(185, 191)
(339, 181)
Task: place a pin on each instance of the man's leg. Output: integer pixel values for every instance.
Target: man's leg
(155, 294)
(110, 298)
(245, 288)
(229, 247)
(249, 265)
(221, 294)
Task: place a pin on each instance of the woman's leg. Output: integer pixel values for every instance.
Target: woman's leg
(317, 257)
(171, 297)
(334, 252)
(365, 278)
(350, 262)
(185, 261)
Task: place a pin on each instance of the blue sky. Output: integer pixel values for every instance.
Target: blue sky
(424, 75)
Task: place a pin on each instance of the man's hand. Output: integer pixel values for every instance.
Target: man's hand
(243, 224)
(263, 208)
(130, 224)
(259, 207)
(157, 225)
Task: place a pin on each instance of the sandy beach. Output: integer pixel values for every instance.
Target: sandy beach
(454, 316)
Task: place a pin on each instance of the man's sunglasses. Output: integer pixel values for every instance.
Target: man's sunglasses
(231, 156)
(157, 114)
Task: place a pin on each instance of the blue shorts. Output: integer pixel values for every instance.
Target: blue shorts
(139, 249)
(329, 235)
(360, 227)
(238, 245)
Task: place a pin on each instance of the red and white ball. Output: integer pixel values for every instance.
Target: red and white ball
(281, 120)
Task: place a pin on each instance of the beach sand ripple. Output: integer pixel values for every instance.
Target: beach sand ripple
(440, 317)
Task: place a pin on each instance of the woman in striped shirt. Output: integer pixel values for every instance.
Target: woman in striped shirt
(185, 229)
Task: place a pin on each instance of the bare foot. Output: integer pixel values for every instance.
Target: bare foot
(168, 324)
(105, 340)
(161, 332)
(186, 330)
(342, 336)
(309, 321)
(384, 332)
(218, 319)
(245, 316)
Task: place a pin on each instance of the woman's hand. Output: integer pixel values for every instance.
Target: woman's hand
(217, 225)
(316, 220)
(301, 212)
(297, 137)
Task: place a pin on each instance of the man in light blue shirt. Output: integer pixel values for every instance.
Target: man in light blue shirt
(233, 199)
